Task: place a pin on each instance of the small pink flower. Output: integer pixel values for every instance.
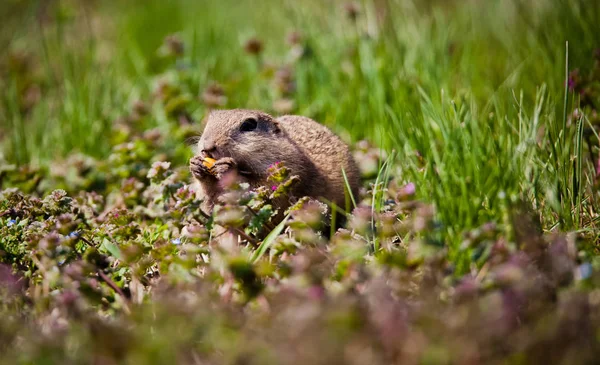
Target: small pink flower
(274, 187)
(406, 192)
(316, 292)
(410, 188)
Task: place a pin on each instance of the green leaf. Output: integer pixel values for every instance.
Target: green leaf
(268, 241)
(112, 248)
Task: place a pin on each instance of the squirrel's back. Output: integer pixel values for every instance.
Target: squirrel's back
(327, 152)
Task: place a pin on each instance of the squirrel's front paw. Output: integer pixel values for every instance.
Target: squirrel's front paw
(223, 166)
(198, 168)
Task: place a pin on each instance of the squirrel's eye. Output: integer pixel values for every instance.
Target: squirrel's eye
(249, 125)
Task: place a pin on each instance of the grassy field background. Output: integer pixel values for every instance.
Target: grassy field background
(488, 107)
(471, 92)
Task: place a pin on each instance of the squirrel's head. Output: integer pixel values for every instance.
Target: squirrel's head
(247, 136)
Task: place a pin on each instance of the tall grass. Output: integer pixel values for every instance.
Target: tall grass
(471, 95)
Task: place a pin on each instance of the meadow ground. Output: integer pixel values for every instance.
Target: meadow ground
(474, 239)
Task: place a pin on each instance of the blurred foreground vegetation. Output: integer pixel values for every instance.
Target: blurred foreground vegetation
(474, 239)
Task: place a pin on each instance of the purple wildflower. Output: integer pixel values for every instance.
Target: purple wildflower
(410, 188)
(573, 81)
(406, 192)
(316, 292)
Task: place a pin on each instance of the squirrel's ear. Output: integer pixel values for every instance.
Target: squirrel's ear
(204, 120)
(276, 127)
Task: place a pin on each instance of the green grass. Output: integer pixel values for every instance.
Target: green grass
(476, 88)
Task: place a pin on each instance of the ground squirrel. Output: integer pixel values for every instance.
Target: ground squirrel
(247, 142)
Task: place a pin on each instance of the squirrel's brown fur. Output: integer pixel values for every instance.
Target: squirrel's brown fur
(310, 150)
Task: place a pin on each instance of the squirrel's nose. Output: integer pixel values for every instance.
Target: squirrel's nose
(208, 147)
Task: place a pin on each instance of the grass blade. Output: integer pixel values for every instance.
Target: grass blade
(268, 241)
(348, 188)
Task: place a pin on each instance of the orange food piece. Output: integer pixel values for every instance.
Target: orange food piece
(208, 162)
